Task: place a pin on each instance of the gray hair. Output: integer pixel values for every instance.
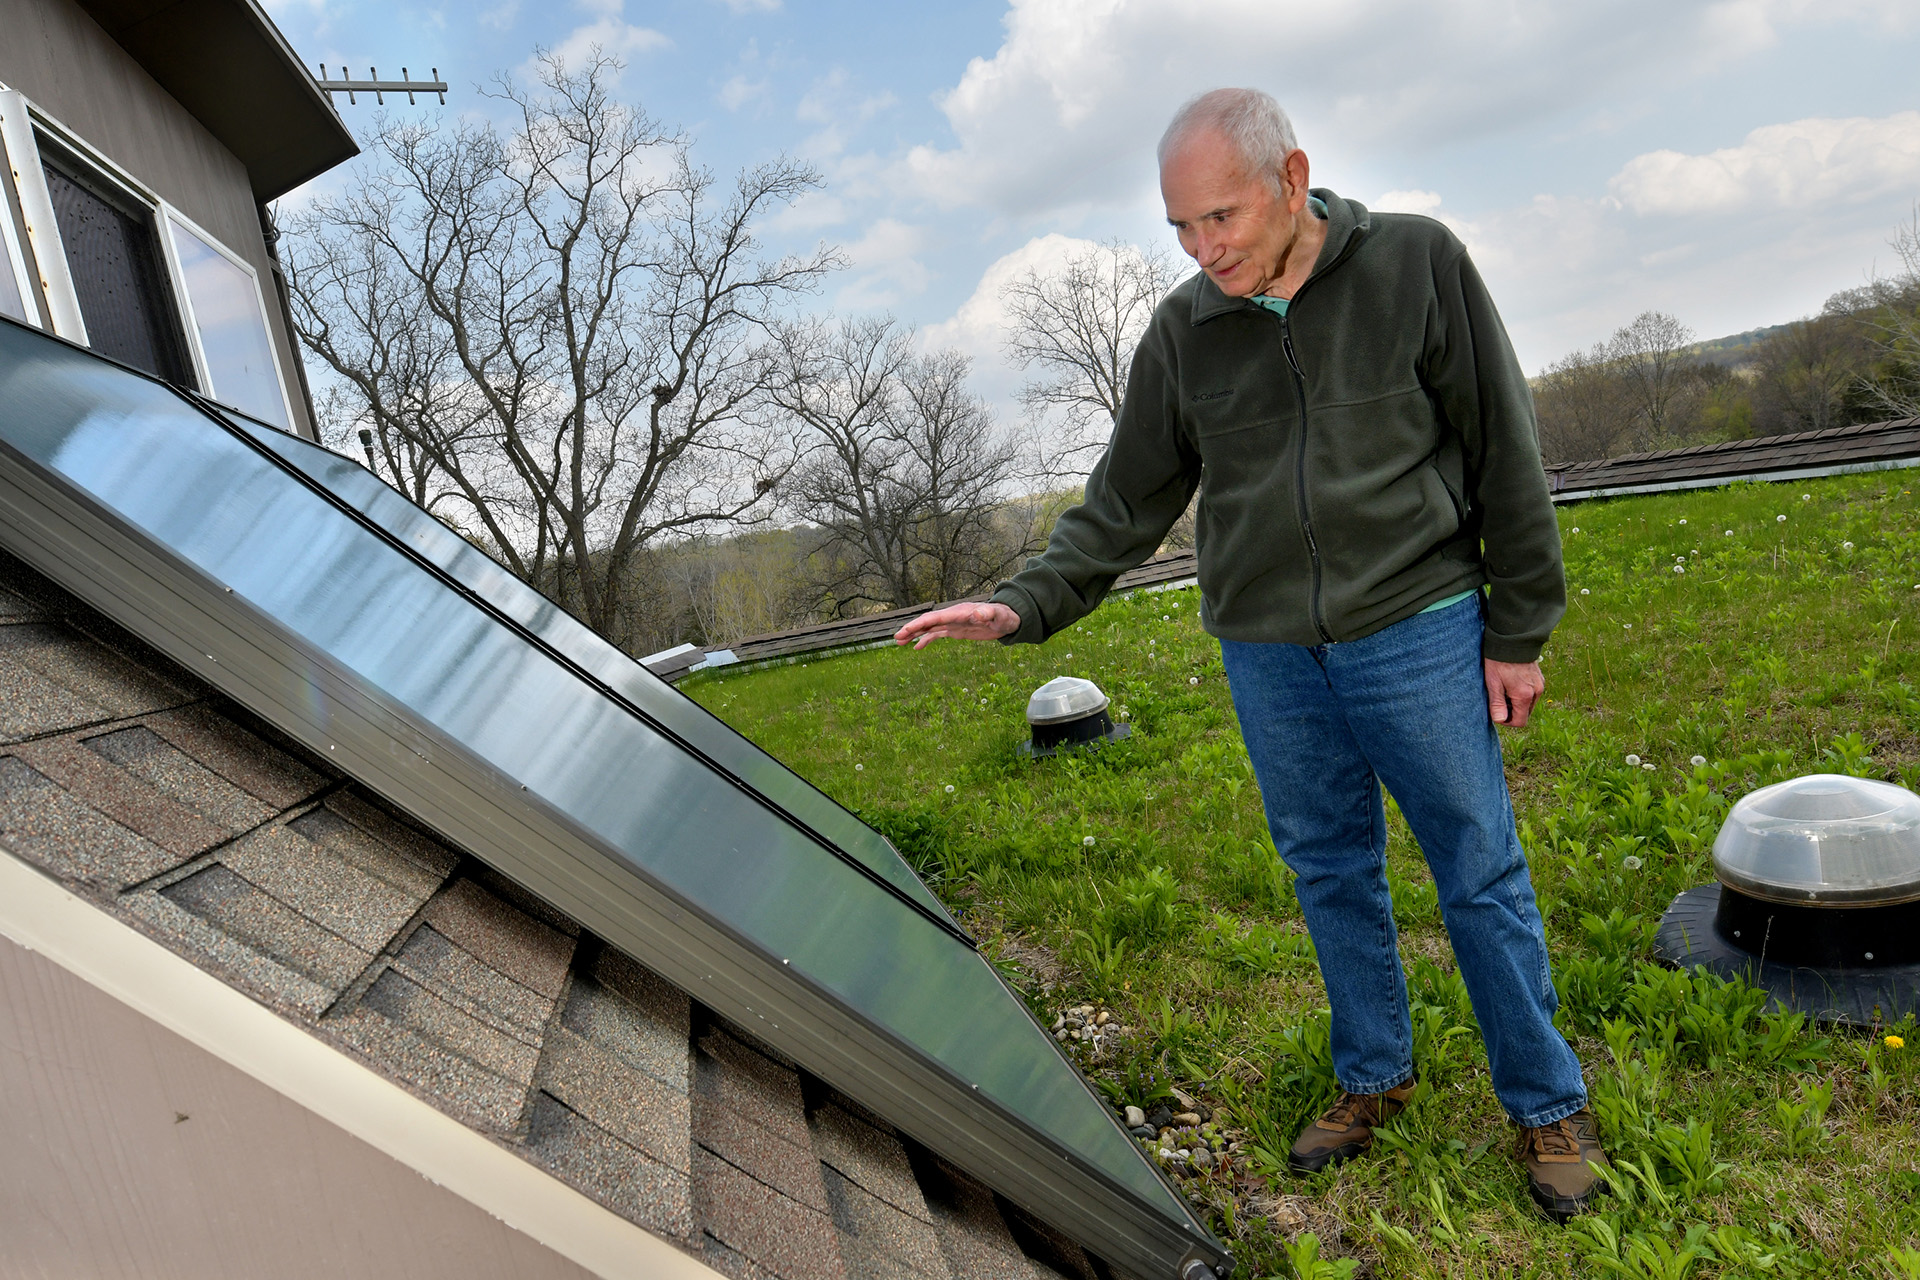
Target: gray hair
(1248, 118)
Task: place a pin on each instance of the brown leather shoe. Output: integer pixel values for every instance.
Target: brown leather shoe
(1345, 1130)
(1559, 1159)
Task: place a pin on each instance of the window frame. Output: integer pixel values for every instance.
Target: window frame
(53, 295)
(183, 298)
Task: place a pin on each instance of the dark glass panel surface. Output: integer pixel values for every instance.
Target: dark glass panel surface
(494, 705)
(118, 272)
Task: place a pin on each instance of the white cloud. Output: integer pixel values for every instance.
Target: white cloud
(886, 267)
(738, 91)
(834, 103)
(978, 328)
(609, 33)
(1408, 202)
(752, 6)
(1805, 163)
(1066, 112)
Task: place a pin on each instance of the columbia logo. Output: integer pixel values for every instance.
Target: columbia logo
(1213, 395)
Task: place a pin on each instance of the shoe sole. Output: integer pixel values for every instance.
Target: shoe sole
(1304, 1165)
(1561, 1209)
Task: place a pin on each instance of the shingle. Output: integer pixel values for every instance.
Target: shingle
(17, 608)
(242, 758)
(42, 823)
(587, 1158)
(878, 1240)
(122, 796)
(231, 959)
(768, 1229)
(357, 848)
(973, 1235)
(431, 960)
(633, 1106)
(346, 900)
(35, 705)
(496, 934)
(1048, 1252)
(173, 773)
(790, 1169)
(728, 1262)
(242, 912)
(458, 1085)
(753, 1085)
(105, 679)
(870, 1157)
(378, 823)
(648, 1034)
(407, 1004)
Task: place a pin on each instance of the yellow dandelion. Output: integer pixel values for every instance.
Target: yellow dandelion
(1894, 1042)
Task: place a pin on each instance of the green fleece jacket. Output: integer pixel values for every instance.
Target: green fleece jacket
(1359, 458)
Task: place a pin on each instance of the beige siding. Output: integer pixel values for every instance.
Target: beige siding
(56, 55)
(130, 1151)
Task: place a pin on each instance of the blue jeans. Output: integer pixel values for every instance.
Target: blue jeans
(1407, 707)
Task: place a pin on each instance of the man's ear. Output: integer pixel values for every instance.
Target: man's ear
(1298, 173)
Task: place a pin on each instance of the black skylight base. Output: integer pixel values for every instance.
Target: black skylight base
(1088, 731)
(1690, 934)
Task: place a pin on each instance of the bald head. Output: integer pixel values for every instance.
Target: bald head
(1248, 120)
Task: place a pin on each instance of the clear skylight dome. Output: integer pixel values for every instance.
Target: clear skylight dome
(1065, 698)
(1823, 840)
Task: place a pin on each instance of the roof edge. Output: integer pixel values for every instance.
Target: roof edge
(43, 916)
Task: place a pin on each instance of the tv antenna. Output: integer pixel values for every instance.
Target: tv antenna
(379, 88)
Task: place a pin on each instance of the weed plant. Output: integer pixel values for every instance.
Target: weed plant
(1715, 641)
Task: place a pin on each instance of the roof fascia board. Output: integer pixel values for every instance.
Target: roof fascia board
(1715, 482)
(44, 917)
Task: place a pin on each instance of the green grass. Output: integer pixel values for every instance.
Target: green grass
(1139, 878)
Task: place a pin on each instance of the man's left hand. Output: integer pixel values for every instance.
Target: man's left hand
(1512, 689)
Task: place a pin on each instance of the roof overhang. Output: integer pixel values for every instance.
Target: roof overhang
(226, 62)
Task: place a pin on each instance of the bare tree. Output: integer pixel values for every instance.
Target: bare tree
(1893, 386)
(585, 303)
(905, 472)
(1581, 407)
(1650, 356)
(1076, 328)
(1803, 375)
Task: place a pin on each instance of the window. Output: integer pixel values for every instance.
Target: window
(229, 319)
(118, 268)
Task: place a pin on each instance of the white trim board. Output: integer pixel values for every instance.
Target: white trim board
(41, 916)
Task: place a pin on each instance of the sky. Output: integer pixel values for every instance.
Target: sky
(1733, 163)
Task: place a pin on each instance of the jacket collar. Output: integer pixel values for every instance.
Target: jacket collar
(1347, 224)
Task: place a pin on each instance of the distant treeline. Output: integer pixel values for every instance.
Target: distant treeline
(1651, 386)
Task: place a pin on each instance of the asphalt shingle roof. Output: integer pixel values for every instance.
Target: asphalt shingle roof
(137, 787)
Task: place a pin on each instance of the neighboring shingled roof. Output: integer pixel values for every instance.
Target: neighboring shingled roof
(1805, 453)
(135, 786)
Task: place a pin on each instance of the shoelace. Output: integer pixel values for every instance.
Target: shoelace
(1349, 1107)
(1556, 1139)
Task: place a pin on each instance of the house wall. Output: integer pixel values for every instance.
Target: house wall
(131, 1151)
(56, 55)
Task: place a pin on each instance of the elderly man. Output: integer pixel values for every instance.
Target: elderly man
(1380, 563)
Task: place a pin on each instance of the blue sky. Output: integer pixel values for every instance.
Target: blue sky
(1733, 162)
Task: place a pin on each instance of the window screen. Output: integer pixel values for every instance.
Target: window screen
(118, 273)
(232, 324)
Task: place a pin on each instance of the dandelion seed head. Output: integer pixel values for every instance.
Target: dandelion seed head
(1683, 522)
(1729, 533)
(1193, 679)
(1630, 863)
(1679, 568)
(1585, 592)
(1087, 841)
(949, 788)
(1697, 761)
(1576, 528)
(859, 768)
(1633, 760)
(1627, 625)
(1648, 767)
(1806, 497)
(1846, 546)
(1780, 519)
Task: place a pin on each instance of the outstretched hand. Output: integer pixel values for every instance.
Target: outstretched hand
(1512, 689)
(987, 621)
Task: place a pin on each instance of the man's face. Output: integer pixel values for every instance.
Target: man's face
(1229, 218)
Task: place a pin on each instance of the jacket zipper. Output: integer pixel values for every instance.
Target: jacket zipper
(1300, 480)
